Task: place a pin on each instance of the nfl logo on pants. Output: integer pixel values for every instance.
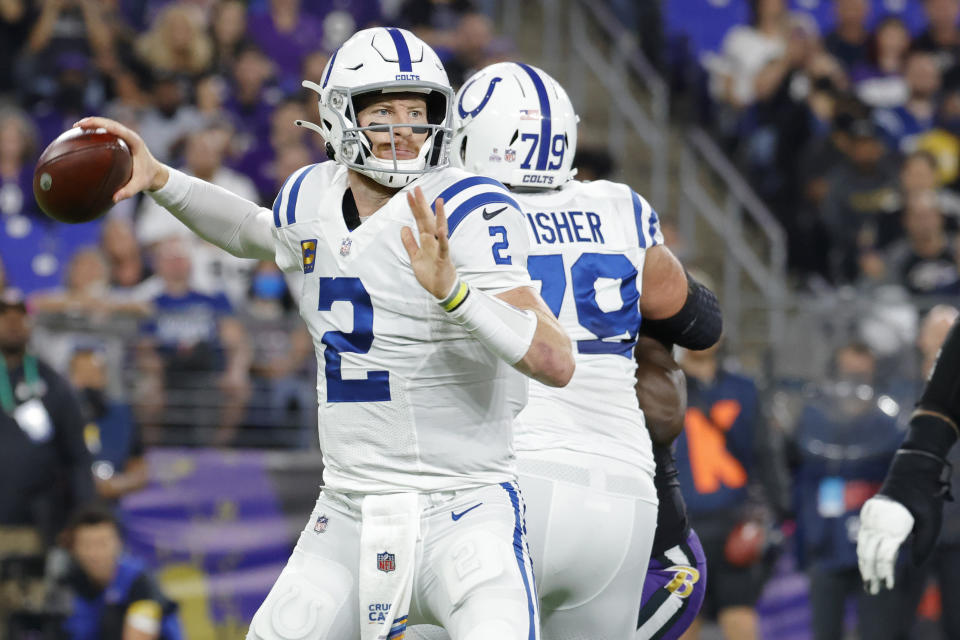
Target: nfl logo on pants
(386, 562)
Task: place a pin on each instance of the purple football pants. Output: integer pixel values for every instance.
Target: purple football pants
(673, 591)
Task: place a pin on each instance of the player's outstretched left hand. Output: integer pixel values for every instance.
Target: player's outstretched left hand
(430, 258)
(884, 525)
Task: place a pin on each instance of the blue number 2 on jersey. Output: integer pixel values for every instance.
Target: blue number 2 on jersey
(584, 273)
(376, 388)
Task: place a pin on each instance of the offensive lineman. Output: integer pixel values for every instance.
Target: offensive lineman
(420, 517)
(583, 453)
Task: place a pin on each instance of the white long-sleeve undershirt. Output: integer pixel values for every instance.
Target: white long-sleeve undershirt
(236, 225)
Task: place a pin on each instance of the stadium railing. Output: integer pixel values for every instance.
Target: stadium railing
(188, 408)
(754, 244)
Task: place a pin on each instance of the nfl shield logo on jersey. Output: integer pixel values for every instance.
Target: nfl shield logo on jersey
(510, 155)
(321, 524)
(345, 247)
(386, 562)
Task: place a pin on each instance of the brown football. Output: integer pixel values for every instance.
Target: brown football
(77, 175)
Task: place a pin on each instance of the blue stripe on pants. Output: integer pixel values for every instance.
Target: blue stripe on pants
(519, 550)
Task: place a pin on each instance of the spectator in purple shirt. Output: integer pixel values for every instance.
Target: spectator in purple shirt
(259, 162)
(252, 99)
(286, 34)
(879, 81)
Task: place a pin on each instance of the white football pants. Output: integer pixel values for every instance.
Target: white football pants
(591, 522)
(473, 572)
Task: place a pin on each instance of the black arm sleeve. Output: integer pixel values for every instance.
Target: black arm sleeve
(696, 326)
(919, 477)
(672, 523)
(941, 395)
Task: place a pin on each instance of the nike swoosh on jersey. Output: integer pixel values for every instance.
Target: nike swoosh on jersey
(456, 516)
(487, 215)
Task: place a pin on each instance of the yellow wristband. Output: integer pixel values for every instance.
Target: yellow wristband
(456, 297)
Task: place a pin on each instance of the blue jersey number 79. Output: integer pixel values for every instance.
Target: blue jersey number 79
(584, 273)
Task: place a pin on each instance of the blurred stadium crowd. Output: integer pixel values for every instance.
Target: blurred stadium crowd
(843, 114)
(845, 117)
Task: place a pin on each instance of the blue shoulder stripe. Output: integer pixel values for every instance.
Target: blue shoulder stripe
(466, 183)
(276, 203)
(479, 200)
(545, 142)
(294, 193)
(276, 209)
(403, 53)
(638, 214)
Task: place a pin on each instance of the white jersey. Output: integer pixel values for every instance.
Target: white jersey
(588, 241)
(408, 401)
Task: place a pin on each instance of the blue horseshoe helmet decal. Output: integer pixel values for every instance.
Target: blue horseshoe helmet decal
(483, 103)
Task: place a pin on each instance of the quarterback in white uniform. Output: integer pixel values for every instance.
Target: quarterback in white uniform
(585, 459)
(422, 336)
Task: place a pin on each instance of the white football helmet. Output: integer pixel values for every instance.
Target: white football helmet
(515, 123)
(383, 60)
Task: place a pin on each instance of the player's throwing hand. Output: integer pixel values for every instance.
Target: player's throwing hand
(148, 172)
(430, 259)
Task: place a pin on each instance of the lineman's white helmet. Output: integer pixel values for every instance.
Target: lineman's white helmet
(383, 60)
(515, 123)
